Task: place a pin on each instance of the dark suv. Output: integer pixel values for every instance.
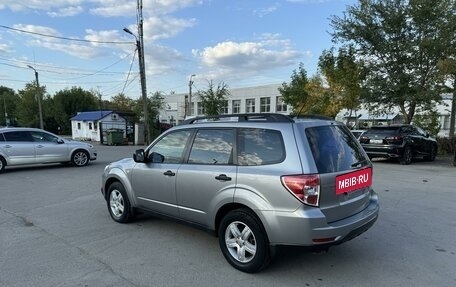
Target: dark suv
(255, 180)
(403, 142)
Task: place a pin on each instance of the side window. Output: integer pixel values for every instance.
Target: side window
(172, 146)
(2, 139)
(43, 137)
(20, 136)
(212, 146)
(260, 147)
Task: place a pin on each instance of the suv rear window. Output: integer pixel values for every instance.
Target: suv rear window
(260, 147)
(383, 132)
(334, 149)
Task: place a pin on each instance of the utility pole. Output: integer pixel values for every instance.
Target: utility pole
(38, 95)
(142, 69)
(190, 84)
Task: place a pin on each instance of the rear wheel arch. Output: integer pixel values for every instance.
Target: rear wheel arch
(227, 208)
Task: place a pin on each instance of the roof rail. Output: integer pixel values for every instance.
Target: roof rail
(312, 116)
(253, 117)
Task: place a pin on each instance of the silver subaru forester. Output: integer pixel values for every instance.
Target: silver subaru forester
(256, 180)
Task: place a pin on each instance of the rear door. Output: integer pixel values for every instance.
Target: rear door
(19, 147)
(344, 169)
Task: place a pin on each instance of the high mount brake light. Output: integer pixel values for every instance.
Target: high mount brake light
(305, 187)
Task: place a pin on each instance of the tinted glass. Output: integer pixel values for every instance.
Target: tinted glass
(212, 147)
(334, 149)
(381, 132)
(172, 146)
(2, 139)
(43, 137)
(21, 136)
(260, 147)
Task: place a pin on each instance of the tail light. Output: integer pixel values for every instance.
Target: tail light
(306, 188)
(394, 140)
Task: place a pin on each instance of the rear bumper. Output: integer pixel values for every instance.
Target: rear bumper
(386, 151)
(308, 227)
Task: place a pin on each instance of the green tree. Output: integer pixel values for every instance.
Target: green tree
(428, 121)
(295, 93)
(448, 70)
(155, 104)
(68, 102)
(8, 103)
(121, 102)
(309, 95)
(27, 109)
(343, 74)
(401, 43)
(213, 100)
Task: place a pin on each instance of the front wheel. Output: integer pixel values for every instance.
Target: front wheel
(118, 204)
(243, 241)
(80, 158)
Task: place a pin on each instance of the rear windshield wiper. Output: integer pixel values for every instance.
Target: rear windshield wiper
(359, 163)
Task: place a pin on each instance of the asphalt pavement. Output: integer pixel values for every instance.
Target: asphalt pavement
(55, 230)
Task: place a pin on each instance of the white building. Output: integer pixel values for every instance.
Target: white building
(261, 99)
(89, 125)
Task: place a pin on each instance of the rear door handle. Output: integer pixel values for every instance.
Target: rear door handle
(169, 173)
(7, 146)
(223, 177)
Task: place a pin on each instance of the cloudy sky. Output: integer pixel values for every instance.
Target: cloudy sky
(82, 43)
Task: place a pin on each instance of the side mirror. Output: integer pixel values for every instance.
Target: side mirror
(138, 156)
(426, 134)
(60, 141)
(156, 157)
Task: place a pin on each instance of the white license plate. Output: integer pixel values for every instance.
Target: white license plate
(376, 141)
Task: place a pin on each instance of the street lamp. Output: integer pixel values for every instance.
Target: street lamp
(38, 95)
(142, 74)
(190, 84)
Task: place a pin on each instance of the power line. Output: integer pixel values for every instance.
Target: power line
(66, 38)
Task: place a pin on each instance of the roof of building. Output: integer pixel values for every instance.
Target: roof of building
(91, 116)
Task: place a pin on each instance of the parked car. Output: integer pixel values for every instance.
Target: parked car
(256, 180)
(402, 142)
(23, 146)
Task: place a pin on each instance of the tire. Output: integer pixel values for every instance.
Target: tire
(432, 155)
(118, 203)
(80, 158)
(2, 164)
(407, 155)
(243, 241)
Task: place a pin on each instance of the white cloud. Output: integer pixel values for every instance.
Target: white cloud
(161, 60)
(162, 28)
(37, 29)
(268, 53)
(67, 12)
(265, 11)
(21, 5)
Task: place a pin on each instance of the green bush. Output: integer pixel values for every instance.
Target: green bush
(446, 146)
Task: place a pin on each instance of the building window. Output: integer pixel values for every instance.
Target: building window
(192, 108)
(281, 106)
(90, 126)
(250, 105)
(95, 126)
(236, 106)
(224, 108)
(200, 108)
(79, 126)
(265, 105)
